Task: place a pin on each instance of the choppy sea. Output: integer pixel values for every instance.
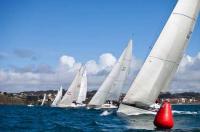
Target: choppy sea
(47, 119)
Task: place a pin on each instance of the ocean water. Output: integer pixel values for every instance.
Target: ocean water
(47, 119)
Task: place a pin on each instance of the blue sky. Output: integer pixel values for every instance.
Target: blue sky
(37, 32)
(83, 29)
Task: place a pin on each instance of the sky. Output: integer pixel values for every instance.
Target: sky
(43, 42)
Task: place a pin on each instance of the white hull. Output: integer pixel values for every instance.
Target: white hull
(54, 106)
(129, 110)
(71, 106)
(63, 106)
(78, 105)
(108, 106)
(104, 106)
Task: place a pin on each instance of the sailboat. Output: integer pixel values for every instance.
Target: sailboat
(111, 88)
(43, 100)
(83, 91)
(163, 60)
(76, 94)
(57, 98)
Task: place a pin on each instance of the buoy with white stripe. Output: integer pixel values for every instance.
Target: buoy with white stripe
(164, 117)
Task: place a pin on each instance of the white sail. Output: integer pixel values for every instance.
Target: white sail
(115, 79)
(72, 93)
(83, 89)
(44, 98)
(58, 97)
(163, 60)
(116, 90)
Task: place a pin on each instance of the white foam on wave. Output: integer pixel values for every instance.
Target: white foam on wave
(30, 105)
(174, 112)
(144, 113)
(88, 108)
(105, 113)
(184, 112)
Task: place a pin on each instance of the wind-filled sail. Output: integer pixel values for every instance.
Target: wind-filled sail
(58, 97)
(83, 89)
(163, 60)
(72, 93)
(115, 79)
(116, 90)
(43, 100)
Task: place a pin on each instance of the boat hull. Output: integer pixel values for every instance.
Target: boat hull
(130, 110)
(108, 106)
(78, 105)
(72, 105)
(104, 106)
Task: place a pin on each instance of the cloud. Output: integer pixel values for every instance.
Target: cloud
(105, 63)
(41, 68)
(92, 67)
(32, 77)
(25, 53)
(44, 77)
(107, 60)
(188, 76)
(67, 60)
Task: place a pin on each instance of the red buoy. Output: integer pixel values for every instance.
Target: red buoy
(164, 118)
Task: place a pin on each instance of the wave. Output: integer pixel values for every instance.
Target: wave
(106, 113)
(184, 112)
(173, 111)
(59, 127)
(97, 108)
(95, 123)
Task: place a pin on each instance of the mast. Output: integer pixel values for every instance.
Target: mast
(162, 63)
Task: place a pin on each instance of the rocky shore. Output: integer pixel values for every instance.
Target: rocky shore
(35, 97)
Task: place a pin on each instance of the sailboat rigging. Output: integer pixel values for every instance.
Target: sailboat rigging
(111, 87)
(76, 93)
(163, 60)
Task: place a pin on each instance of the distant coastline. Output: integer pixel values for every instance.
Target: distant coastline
(35, 97)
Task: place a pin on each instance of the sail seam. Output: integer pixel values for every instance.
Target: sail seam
(185, 16)
(164, 59)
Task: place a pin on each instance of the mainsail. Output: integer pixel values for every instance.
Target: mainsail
(115, 79)
(73, 92)
(43, 100)
(58, 97)
(83, 89)
(163, 60)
